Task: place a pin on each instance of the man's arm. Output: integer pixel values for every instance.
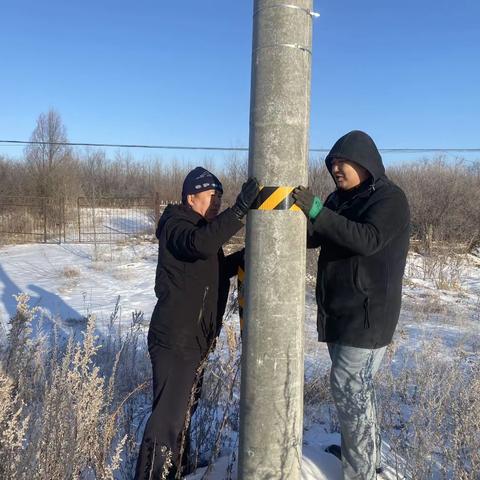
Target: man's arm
(192, 242)
(385, 219)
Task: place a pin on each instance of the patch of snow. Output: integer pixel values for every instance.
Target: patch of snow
(102, 274)
(316, 463)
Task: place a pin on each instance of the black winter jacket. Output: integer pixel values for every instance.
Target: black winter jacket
(364, 238)
(192, 277)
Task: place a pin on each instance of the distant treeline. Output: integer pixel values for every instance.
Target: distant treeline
(444, 196)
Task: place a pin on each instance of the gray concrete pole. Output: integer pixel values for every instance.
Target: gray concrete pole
(271, 405)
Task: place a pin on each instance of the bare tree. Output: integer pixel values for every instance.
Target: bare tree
(319, 179)
(444, 199)
(93, 173)
(12, 176)
(234, 173)
(50, 161)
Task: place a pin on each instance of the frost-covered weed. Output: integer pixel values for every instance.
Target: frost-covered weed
(430, 409)
(215, 425)
(76, 409)
(13, 427)
(62, 412)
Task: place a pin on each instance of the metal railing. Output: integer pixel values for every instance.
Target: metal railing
(86, 220)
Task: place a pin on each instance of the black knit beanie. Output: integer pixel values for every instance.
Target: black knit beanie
(199, 180)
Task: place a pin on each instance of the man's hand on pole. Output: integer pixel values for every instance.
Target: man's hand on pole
(307, 201)
(246, 197)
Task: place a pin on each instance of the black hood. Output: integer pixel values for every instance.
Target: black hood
(177, 211)
(357, 147)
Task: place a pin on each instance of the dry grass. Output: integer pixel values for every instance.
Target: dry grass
(445, 270)
(215, 423)
(76, 409)
(430, 404)
(13, 427)
(71, 272)
(63, 406)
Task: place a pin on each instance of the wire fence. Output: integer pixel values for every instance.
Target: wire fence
(88, 220)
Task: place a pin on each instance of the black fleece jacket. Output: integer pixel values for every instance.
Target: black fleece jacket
(192, 277)
(364, 236)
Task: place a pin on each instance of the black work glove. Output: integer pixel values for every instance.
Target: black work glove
(307, 201)
(246, 197)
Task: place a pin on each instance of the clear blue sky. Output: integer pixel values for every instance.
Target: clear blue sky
(159, 72)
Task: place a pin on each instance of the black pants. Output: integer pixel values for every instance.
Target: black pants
(175, 383)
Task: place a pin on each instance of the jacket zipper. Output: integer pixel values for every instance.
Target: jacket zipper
(347, 203)
(200, 313)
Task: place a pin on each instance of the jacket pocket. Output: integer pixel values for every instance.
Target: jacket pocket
(366, 304)
(363, 292)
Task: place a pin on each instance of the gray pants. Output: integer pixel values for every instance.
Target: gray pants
(351, 381)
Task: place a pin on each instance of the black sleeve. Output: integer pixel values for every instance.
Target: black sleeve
(193, 242)
(381, 222)
(313, 238)
(232, 262)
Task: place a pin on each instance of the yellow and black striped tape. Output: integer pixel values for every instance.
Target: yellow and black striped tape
(275, 198)
(241, 295)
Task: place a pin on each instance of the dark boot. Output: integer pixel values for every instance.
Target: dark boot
(337, 451)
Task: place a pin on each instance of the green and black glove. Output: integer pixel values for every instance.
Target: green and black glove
(246, 197)
(307, 201)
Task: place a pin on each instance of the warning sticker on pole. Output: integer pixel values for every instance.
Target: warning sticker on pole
(241, 292)
(275, 198)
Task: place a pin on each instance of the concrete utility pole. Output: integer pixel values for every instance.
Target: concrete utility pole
(271, 407)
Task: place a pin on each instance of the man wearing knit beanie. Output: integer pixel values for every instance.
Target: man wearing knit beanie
(192, 283)
(198, 180)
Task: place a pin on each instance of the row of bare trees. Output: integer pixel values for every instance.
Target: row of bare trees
(444, 199)
(444, 195)
(51, 168)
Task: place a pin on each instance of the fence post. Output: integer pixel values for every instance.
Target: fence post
(59, 219)
(44, 220)
(64, 221)
(429, 238)
(156, 207)
(79, 222)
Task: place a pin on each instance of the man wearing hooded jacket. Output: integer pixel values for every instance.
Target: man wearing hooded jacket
(191, 285)
(363, 231)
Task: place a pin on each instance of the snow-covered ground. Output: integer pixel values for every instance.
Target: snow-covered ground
(316, 463)
(111, 224)
(70, 281)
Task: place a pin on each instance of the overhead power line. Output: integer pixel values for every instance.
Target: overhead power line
(224, 149)
(123, 145)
